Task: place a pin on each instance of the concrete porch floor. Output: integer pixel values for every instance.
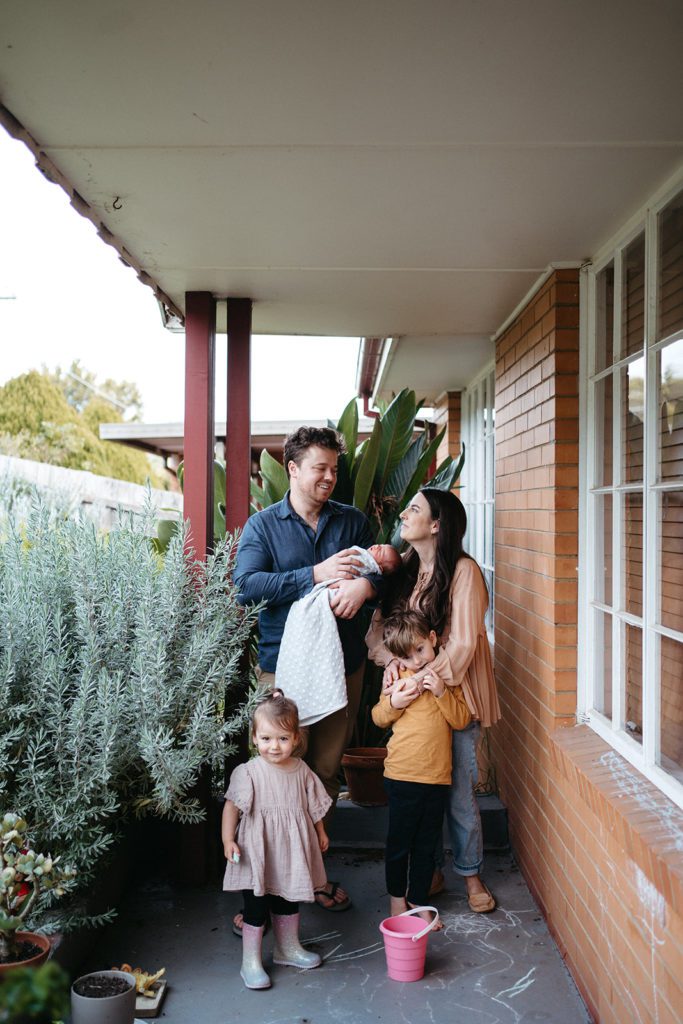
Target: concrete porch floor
(500, 968)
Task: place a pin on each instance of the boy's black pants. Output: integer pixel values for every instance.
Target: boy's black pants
(416, 812)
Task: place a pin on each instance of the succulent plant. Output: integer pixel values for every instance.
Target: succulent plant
(24, 874)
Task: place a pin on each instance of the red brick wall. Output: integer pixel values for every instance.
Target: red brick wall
(447, 414)
(598, 844)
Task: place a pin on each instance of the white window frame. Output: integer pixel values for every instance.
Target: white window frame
(645, 756)
(478, 481)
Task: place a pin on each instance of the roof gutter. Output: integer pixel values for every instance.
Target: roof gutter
(171, 314)
(369, 361)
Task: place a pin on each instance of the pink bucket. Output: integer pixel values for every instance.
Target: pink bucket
(405, 943)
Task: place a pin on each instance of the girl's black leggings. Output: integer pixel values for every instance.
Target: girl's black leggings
(415, 821)
(257, 908)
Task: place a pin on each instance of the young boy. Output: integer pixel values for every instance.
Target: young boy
(417, 770)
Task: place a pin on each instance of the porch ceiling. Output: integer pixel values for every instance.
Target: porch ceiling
(391, 168)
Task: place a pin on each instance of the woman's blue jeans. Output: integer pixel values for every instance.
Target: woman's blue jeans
(462, 811)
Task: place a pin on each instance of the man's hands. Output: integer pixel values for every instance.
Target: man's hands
(344, 565)
(349, 595)
(405, 691)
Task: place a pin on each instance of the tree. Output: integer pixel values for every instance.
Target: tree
(81, 388)
(37, 422)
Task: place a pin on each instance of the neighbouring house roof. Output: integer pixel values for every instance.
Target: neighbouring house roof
(167, 439)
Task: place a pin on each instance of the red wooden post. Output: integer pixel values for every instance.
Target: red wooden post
(195, 843)
(238, 419)
(200, 345)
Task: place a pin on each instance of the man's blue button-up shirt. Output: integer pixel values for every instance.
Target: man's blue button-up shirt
(275, 559)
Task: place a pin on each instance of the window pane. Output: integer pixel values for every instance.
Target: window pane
(603, 549)
(490, 466)
(633, 297)
(633, 553)
(488, 619)
(633, 666)
(670, 409)
(604, 328)
(603, 663)
(670, 560)
(603, 432)
(671, 666)
(633, 418)
(488, 533)
(670, 278)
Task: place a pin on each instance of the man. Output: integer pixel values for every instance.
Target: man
(283, 552)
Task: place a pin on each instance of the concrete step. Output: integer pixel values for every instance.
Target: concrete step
(365, 828)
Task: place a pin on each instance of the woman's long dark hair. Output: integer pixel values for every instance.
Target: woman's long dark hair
(434, 601)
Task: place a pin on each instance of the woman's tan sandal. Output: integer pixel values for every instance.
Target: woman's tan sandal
(438, 883)
(481, 902)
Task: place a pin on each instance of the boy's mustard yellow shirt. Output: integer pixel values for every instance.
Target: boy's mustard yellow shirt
(420, 747)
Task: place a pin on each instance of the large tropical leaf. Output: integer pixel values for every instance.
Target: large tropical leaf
(274, 477)
(448, 472)
(411, 485)
(219, 485)
(348, 428)
(367, 467)
(422, 468)
(259, 496)
(403, 473)
(398, 424)
(343, 489)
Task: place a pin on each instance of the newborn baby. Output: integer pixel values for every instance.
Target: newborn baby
(386, 556)
(377, 558)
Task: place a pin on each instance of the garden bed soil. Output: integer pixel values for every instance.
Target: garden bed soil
(101, 986)
(26, 951)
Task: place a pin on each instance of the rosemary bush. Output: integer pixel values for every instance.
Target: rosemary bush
(113, 665)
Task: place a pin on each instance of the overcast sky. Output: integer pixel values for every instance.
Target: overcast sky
(74, 299)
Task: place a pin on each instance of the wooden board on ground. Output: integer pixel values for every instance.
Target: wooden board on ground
(145, 1007)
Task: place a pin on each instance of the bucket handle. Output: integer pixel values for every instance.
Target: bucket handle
(417, 910)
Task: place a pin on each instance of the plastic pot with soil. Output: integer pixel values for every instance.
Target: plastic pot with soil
(104, 997)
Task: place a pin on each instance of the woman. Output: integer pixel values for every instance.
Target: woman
(447, 586)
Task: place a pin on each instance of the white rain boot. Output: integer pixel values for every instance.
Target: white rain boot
(252, 972)
(288, 950)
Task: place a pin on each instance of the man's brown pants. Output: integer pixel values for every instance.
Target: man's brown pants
(327, 739)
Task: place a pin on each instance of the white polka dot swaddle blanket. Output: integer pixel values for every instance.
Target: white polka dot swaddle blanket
(310, 665)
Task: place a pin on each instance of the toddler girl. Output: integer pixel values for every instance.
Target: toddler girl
(417, 769)
(274, 806)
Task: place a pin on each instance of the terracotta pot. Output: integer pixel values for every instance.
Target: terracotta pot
(364, 768)
(118, 1009)
(34, 961)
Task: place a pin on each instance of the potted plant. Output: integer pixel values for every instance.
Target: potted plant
(34, 994)
(104, 997)
(24, 876)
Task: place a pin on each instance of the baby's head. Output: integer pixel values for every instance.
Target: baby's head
(408, 637)
(387, 558)
(276, 714)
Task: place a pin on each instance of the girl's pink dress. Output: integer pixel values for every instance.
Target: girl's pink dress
(276, 837)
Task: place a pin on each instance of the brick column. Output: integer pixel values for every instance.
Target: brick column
(447, 414)
(537, 431)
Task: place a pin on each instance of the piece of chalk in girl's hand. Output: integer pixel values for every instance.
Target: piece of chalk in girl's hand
(235, 858)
